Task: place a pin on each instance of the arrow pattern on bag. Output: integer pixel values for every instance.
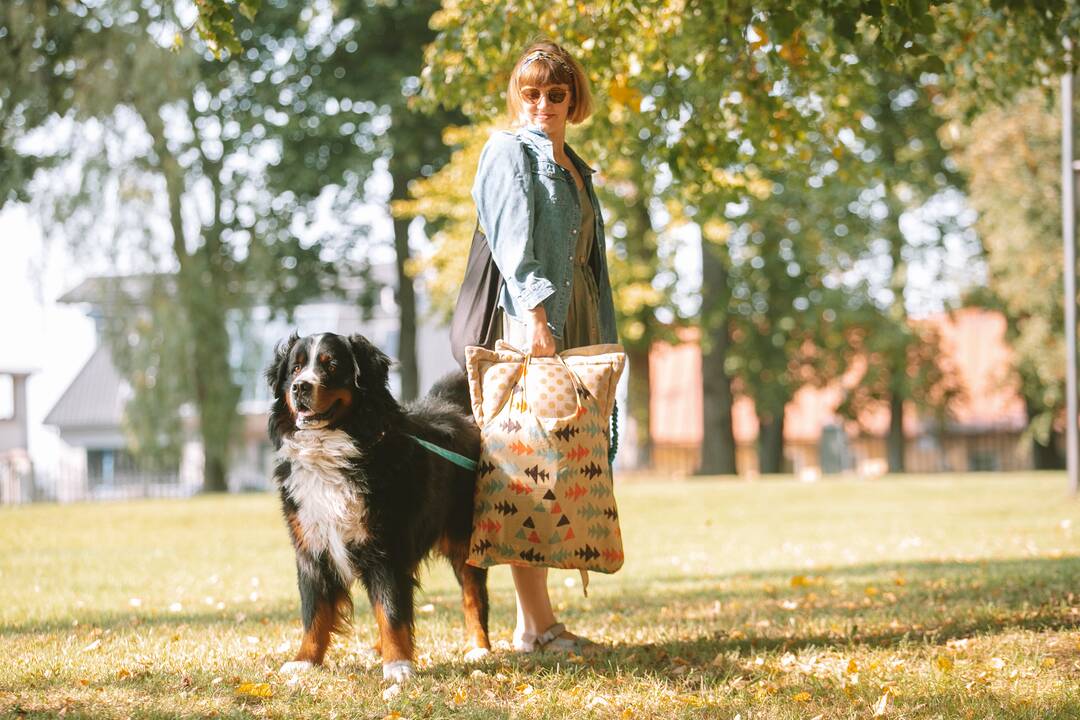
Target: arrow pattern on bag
(506, 508)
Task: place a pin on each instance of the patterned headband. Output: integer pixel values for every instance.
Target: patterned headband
(538, 54)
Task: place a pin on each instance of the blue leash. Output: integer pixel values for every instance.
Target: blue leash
(459, 460)
(464, 462)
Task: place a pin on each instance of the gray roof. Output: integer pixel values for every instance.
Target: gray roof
(94, 398)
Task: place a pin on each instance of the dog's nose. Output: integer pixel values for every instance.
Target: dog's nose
(301, 388)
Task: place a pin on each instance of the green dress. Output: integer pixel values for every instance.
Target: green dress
(583, 315)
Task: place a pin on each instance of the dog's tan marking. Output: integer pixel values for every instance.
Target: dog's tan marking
(297, 531)
(332, 617)
(396, 643)
(472, 605)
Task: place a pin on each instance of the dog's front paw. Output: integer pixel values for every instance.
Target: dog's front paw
(477, 654)
(399, 670)
(296, 667)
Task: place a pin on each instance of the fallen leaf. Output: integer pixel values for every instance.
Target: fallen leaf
(944, 663)
(801, 697)
(460, 697)
(255, 690)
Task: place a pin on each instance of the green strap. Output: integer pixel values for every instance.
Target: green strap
(459, 460)
(614, 433)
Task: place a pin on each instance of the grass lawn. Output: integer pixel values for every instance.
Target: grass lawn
(923, 597)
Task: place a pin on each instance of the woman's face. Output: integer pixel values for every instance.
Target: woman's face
(539, 111)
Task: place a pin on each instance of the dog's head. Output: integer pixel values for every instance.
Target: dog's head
(318, 380)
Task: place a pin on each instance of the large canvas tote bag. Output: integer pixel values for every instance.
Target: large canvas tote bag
(544, 486)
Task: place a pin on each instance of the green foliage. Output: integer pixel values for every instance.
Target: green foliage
(721, 100)
(215, 171)
(1012, 156)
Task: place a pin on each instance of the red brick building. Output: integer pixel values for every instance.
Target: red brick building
(983, 431)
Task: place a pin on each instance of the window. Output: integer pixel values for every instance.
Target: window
(7, 397)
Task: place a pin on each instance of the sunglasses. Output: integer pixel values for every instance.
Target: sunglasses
(532, 95)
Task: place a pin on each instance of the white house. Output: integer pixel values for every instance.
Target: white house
(89, 415)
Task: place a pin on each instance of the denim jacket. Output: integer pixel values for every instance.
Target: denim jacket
(531, 215)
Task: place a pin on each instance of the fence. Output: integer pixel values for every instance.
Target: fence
(20, 483)
(988, 450)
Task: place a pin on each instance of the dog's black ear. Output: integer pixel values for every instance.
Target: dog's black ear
(369, 361)
(277, 370)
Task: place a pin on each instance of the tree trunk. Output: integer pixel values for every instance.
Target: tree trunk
(895, 442)
(1044, 456)
(718, 440)
(406, 293)
(199, 293)
(638, 401)
(771, 442)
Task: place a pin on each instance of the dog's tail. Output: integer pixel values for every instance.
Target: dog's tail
(454, 388)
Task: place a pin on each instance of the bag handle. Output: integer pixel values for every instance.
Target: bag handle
(575, 381)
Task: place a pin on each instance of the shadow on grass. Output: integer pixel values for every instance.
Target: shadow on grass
(939, 601)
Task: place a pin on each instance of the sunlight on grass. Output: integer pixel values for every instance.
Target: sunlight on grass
(926, 597)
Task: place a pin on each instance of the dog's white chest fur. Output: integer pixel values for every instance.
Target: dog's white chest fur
(331, 513)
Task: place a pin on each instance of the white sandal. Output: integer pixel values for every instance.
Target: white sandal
(555, 639)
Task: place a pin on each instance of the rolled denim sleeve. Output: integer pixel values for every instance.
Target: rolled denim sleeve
(504, 200)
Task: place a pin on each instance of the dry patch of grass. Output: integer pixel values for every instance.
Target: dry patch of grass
(942, 597)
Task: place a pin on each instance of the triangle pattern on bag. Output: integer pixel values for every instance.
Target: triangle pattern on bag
(563, 521)
(529, 522)
(549, 495)
(569, 534)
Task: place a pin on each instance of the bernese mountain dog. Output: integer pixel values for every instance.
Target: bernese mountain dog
(363, 500)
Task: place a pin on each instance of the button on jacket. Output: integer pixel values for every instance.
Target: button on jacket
(531, 214)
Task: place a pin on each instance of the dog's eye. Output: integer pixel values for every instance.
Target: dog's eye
(296, 368)
(331, 366)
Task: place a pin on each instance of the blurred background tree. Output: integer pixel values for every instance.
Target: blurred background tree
(253, 169)
(1011, 155)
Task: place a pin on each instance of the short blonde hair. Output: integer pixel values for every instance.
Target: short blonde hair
(545, 63)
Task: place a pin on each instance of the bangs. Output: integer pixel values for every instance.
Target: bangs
(542, 71)
(549, 65)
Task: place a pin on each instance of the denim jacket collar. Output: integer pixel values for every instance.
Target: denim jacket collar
(540, 138)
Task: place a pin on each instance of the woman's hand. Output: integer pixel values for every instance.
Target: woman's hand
(542, 341)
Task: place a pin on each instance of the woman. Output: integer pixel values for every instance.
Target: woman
(542, 220)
